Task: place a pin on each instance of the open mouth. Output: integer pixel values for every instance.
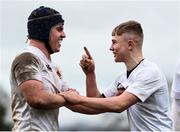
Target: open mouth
(114, 54)
(59, 41)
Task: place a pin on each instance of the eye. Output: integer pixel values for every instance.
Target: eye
(113, 42)
(59, 29)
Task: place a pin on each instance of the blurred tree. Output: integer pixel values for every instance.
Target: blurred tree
(4, 125)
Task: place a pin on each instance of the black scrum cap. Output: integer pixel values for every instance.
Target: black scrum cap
(40, 22)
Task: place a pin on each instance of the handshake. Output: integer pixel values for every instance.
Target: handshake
(71, 96)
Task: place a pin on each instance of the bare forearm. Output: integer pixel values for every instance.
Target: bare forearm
(91, 86)
(110, 104)
(39, 98)
(83, 109)
(47, 101)
(102, 104)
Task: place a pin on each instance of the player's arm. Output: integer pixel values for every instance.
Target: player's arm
(88, 66)
(26, 69)
(37, 97)
(83, 109)
(91, 86)
(110, 104)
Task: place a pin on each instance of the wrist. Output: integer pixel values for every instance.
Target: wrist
(90, 74)
(81, 99)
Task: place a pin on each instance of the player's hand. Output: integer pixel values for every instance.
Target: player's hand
(73, 89)
(87, 63)
(72, 97)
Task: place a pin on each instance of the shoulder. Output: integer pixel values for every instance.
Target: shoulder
(150, 67)
(149, 70)
(25, 58)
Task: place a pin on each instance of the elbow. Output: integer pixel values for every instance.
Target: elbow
(35, 103)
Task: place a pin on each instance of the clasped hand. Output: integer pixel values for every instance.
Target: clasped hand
(71, 96)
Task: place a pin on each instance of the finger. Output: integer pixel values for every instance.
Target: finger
(88, 61)
(62, 94)
(81, 61)
(84, 58)
(70, 89)
(83, 66)
(84, 63)
(88, 53)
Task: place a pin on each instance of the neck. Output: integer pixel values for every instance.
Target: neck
(133, 61)
(40, 45)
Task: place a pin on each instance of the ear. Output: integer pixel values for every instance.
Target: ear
(131, 44)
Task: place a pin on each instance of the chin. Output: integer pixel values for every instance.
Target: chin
(56, 50)
(116, 60)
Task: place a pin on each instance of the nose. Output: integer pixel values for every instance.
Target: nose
(63, 34)
(111, 48)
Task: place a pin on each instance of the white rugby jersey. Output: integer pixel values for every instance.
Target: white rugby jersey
(32, 64)
(148, 83)
(175, 93)
(176, 83)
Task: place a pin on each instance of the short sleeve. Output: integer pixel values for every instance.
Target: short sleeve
(112, 88)
(26, 67)
(176, 83)
(146, 82)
